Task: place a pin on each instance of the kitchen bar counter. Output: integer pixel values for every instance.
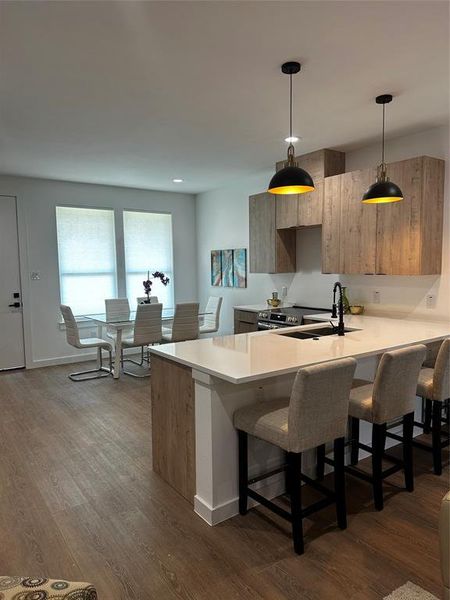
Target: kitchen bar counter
(197, 386)
(248, 357)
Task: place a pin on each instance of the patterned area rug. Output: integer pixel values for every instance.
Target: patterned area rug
(409, 591)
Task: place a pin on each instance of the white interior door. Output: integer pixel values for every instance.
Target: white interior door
(12, 354)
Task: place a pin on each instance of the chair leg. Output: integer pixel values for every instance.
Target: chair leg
(339, 482)
(294, 466)
(427, 420)
(243, 471)
(320, 467)
(354, 436)
(436, 427)
(378, 442)
(408, 428)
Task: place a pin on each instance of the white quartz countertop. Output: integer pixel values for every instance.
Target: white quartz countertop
(249, 357)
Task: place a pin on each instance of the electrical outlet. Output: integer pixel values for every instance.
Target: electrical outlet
(431, 301)
(35, 275)
(376, 297)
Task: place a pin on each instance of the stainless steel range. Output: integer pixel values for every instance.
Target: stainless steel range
(275, 318)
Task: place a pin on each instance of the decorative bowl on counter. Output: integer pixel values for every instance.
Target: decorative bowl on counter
(356, 309)
(274, 302)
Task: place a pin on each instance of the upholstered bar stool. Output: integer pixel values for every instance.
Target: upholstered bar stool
(315, 414)
(389, 398)
(434, 387)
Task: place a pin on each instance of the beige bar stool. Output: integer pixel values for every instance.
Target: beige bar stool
(434, 387)
(389, 398)
(315, 414)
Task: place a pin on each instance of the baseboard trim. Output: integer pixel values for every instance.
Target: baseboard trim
(222, 512)
(72, 359)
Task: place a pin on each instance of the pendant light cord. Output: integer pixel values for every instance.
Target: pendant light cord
(290, 105)
(382, 138)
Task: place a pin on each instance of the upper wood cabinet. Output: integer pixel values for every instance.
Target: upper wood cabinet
(402, 238)
(305, 210)
(271, 250)
(409, 233)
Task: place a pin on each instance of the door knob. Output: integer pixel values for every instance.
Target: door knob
(14, 305)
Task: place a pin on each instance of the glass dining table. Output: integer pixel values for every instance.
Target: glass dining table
(120, 322)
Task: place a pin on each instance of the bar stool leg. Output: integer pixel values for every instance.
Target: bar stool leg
(339, 482)
(427, 420)
(408, 428)
(354, 437)
(436, 427)
(294, 465)
(243, 471)
(320, 467)
(378, 442)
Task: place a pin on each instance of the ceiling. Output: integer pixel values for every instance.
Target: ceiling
(138, 93)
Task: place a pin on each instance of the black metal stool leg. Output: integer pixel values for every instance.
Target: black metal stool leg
(243, 471)
(436, 427)
(354, 436)
(378, 442)
(320, 467)
(339, 482)
(427, 420)
(408, 428)
(294, 465)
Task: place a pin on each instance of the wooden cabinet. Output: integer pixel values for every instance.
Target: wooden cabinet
(300, 210)
(409, 233)
(402, 238)
(305, 210)
(245, 321)
(271, 250)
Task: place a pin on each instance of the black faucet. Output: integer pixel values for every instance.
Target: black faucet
(340, 327)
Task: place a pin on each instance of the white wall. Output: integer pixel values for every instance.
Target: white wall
(222, 222)
(36, 201)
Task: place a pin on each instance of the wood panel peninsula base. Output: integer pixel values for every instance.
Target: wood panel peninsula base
(196, 386)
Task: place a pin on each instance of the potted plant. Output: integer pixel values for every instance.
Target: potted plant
(149, 282)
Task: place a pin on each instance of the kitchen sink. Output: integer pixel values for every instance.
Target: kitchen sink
(315, 333)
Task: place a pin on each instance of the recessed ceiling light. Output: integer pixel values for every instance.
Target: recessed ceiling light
(292, 139)
(177, 180)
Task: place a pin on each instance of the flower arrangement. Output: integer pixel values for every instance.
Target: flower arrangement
(149, 282)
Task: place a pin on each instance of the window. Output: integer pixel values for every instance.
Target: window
(87, 258)
(148, 247)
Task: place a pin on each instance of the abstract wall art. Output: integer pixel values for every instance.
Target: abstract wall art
(229, 267)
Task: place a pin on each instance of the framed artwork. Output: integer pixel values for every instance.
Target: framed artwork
(216, 267)
(240, 267)
(229, 267)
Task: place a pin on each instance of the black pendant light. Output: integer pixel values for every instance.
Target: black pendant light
(291, 179)
(383, 191)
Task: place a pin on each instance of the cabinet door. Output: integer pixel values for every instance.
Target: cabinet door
(310, 206)
(262, 234)
(330, 224)
(287, 211)
(399, 223)
(358, 224)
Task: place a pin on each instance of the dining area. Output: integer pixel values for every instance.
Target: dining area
(125, 333)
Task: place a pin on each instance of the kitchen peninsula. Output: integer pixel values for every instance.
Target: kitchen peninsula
(197, 386)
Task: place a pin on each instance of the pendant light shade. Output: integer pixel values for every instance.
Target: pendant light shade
(291, 179)
(383, 191)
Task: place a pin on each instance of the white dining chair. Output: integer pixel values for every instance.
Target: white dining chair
(73, 338)
(185, 325)
(143, 299)
(117, 308)
(211, 319)
(147, 331)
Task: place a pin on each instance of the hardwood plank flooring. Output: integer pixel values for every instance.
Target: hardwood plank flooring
(78, 500)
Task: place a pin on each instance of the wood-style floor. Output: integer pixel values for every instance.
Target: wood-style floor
(78, 500)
